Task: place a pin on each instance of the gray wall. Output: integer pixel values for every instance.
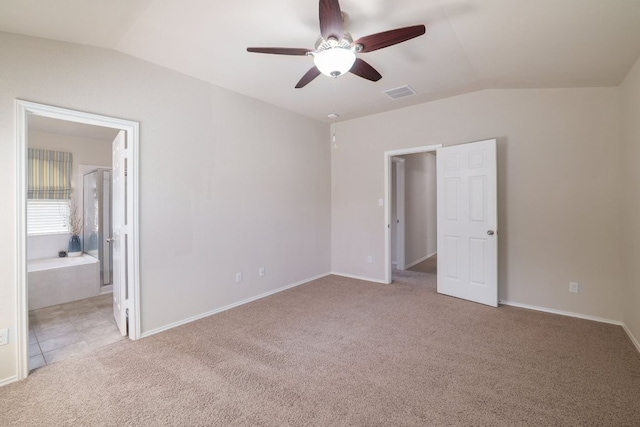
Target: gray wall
(227, 183)
(230, 184)
(420, 202)
(630, 93)
(558, 189)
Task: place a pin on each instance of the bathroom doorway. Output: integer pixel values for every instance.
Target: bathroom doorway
(122, 305)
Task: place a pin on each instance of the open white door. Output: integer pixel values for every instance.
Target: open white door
(119, 237)
(467, 222)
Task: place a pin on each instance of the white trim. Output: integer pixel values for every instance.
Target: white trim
(22, 310)
(387, 201)
(401, 230)
(22, 109)
(562, 313)
(633, 339)
(230, 306)
(8, 381)
(133, 177)
(420, 260)
(366, 279)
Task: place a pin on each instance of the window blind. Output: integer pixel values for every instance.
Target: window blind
(48, 174)
(49, 216)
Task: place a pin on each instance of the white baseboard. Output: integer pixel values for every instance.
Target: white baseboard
(633, 339)
(406, 267)
(9, 380)
(229, 307)
(351, 276)
(563, 313)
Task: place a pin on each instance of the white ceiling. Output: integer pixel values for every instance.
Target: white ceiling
(469, 44)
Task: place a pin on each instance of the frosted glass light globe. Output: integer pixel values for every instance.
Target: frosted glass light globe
(334, 62)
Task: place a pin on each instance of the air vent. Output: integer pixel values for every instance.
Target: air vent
(400, 92)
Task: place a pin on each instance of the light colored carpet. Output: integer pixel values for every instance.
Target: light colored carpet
(429, 265)
(343, 352)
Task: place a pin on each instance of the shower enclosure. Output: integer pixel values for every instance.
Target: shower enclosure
(97, 220)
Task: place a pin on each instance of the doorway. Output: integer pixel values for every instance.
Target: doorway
(413, 210)
(395, 199)
(128, 303)
(466, 181)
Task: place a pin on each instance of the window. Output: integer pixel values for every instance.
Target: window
(48, 174)
(49, 192)
(47, 216)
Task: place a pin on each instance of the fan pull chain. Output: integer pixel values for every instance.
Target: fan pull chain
(335, 115)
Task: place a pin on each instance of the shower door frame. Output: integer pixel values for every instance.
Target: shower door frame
(132, 131)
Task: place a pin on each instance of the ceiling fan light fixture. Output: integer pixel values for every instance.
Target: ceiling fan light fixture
(335, 61)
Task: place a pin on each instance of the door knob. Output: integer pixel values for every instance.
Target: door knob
(109, 239)
(490, 232)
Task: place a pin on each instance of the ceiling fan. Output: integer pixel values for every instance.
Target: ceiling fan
(335, 52)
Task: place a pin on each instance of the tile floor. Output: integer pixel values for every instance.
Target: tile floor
(70, 329)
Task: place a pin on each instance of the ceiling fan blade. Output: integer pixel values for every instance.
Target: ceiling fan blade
(279, 50)
(364, 70)
(331, 23)
(308, 77)
(389, 38)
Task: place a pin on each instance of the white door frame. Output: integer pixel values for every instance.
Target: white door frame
(400, 216)
(387, 199)
(23, 109)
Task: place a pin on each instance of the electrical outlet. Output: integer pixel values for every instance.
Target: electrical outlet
(4, 336)
(369, 259)
(238, 277)
(261, 272)
(574, 287)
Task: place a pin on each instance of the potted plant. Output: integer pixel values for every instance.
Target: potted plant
(75, 228)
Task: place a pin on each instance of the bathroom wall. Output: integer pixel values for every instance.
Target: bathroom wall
(85, 152)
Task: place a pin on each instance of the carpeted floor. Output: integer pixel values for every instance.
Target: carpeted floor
(343, 352)
(429, 265)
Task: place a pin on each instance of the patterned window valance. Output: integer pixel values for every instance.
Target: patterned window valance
(49, 174)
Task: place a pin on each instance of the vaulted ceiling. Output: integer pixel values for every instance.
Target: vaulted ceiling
(469, 44)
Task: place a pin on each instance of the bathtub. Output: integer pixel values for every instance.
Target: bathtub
(53, 281)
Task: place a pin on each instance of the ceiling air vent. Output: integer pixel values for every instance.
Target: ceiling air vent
(400, 92)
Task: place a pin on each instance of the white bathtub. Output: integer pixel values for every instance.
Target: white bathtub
(53, 281)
